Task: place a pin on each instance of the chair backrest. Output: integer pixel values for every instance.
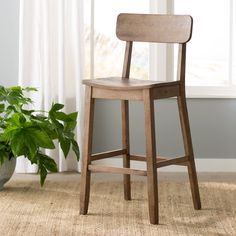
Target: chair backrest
(155, 28)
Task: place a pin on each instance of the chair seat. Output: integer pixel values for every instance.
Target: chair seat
(118, 83)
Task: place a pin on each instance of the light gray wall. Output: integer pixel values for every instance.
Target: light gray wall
(213, 121)
(213, 126)
(9, 38)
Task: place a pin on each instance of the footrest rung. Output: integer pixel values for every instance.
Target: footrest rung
(173, 161)
(163, 161)
(102, 155)
(143, 158)
(116, 170)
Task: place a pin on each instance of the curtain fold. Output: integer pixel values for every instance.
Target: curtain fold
(51, 58)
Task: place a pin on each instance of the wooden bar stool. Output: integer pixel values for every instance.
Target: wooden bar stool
(142, 28)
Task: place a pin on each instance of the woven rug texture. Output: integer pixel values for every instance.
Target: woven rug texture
(27, 209)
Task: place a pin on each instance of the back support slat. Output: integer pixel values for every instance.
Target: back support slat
(150, 28)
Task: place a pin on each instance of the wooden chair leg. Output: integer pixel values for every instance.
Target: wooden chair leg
(87, 149)
(125, 143)
(151, 157)
(184, 120)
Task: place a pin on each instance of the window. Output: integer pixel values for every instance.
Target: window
(211, 54)
(106, 52)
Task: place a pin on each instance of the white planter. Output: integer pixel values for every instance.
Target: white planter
(6, 171)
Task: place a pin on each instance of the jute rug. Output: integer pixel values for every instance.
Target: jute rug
(28, 209)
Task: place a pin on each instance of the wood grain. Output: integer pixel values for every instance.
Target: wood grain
(87, 150)
(116, 170)
(119, 83)
(151, 157)
(117, 95)
(125, 121)
(102, 155)
(154, 28)
(184, 120)
(163, 161)
(126, 145)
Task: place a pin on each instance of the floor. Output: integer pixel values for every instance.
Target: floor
(55, 207)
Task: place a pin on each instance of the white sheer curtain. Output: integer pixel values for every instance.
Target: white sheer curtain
(51, 59)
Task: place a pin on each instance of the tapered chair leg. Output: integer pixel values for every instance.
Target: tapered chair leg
(125, 144)
(87, 149)
(184, 120)
(151, 157)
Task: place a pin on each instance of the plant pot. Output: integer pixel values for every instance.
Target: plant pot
(6, 171)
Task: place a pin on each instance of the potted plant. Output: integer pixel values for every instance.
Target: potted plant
(28, 132)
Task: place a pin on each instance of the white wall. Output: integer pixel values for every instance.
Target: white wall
(9, 37)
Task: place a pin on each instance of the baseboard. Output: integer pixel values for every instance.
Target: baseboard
(216, 165)
(202, 165)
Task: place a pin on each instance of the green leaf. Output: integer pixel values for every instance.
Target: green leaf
(50, 164)
(23, 144)
(27, 112)
(9, 111)
(41, 138)
(2, 107)
(73, 115)
(65, 146)
(16, 120)
(75, 148)
(3, 93)
(45, 164)
(70, 124)
(60, 116)
(52, 133)
(18, 145)
(30, 89)
(16, 89)
(3, 156)
(2, 146)
(43, 174)
(56, 107)
(14, 96)
(9, 133)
